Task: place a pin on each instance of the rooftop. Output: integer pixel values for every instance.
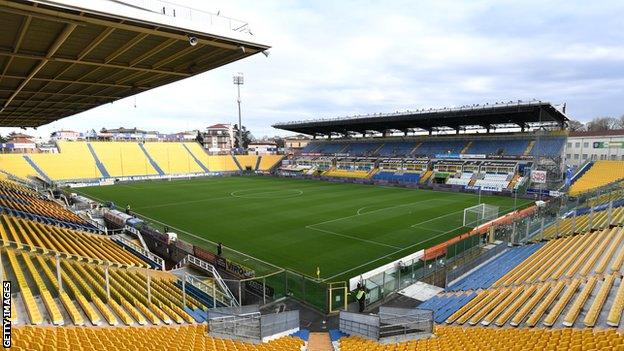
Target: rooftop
(59, 58)
(518, 114)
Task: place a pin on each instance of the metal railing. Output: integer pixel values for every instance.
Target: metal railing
(210, 289)
(390, 324)
(208, 268)
(420, 111)
(457, 271)
(252, 326)
(166, 8)
(244, 327)
(154, 258)
(401, 323)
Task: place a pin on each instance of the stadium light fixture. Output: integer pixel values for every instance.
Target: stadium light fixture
(193, 40)
(239, 80)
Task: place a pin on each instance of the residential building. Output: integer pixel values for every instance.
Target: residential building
(219, 138)
(591, 146)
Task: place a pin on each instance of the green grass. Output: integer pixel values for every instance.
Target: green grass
(345, 229)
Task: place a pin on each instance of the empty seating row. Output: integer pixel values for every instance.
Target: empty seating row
(222, 163)
(397, 176)
(165, 338)
(247, 162)
(433, 147)
(25, 202)
(601, 173)
(131, 298)
(342, 173)
(267, 162)
(580, 255)
(486, 275)
(548, 146)
(582, 223)
(498, 147)
(457, 338)
(577, 302)
(464, 179)
(443, 306)
(35, 236)
(172, 158)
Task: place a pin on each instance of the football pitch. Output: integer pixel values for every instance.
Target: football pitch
(342, 228)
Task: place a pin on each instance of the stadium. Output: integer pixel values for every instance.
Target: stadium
(458, 228)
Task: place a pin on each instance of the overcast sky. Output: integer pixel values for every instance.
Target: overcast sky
(335, 58)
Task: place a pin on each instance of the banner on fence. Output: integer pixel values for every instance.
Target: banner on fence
(538, 177)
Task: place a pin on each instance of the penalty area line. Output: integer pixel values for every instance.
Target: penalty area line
(352, 237)
(390, 254)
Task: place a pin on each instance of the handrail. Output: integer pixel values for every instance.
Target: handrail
(166, 8)
(156, 259)
(217, 295)
(207, 267)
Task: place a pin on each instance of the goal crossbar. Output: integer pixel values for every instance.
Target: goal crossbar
(479, 214)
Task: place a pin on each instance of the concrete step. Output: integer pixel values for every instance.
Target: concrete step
(319, 342)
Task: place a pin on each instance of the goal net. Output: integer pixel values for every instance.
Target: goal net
(476, 215)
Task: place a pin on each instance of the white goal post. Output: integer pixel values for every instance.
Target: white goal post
(476, 215)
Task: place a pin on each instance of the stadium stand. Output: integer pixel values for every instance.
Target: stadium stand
(361, 148)
(268, 162)
(64, 165)
(123, 159)
(433, 147)
(396, 148)
(165, 338)
(494, 181)
(497, 147)
(584, 222)
(127, 159)
(173, 158)
(601, 173)
(22, 202)
(199, 155)
(551, 147)
(16, 165)
(222, 163)
(35, 236)
(457, 338)
(464, 179)
(494, 269)
(564, 282)
(343, 173)
(247, 162)
(397, 176)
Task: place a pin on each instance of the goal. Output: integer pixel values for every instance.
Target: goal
(476, 215)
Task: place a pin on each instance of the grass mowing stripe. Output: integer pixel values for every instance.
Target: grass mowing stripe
(274, 230)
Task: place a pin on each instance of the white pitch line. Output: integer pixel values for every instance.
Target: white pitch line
(198, 237)
(360, 209)
(393, 253)
(373, 211)
(390, 254)
(353, 237)
(432, 230)
(433, 219)
(186, 202)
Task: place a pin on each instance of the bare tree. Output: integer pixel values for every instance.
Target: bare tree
(621, 122)
(602, 124)
(576, 126)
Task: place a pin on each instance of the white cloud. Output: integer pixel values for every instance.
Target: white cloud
(336, 58)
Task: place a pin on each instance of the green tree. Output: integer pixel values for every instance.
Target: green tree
(199, 138)
(247, 137)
